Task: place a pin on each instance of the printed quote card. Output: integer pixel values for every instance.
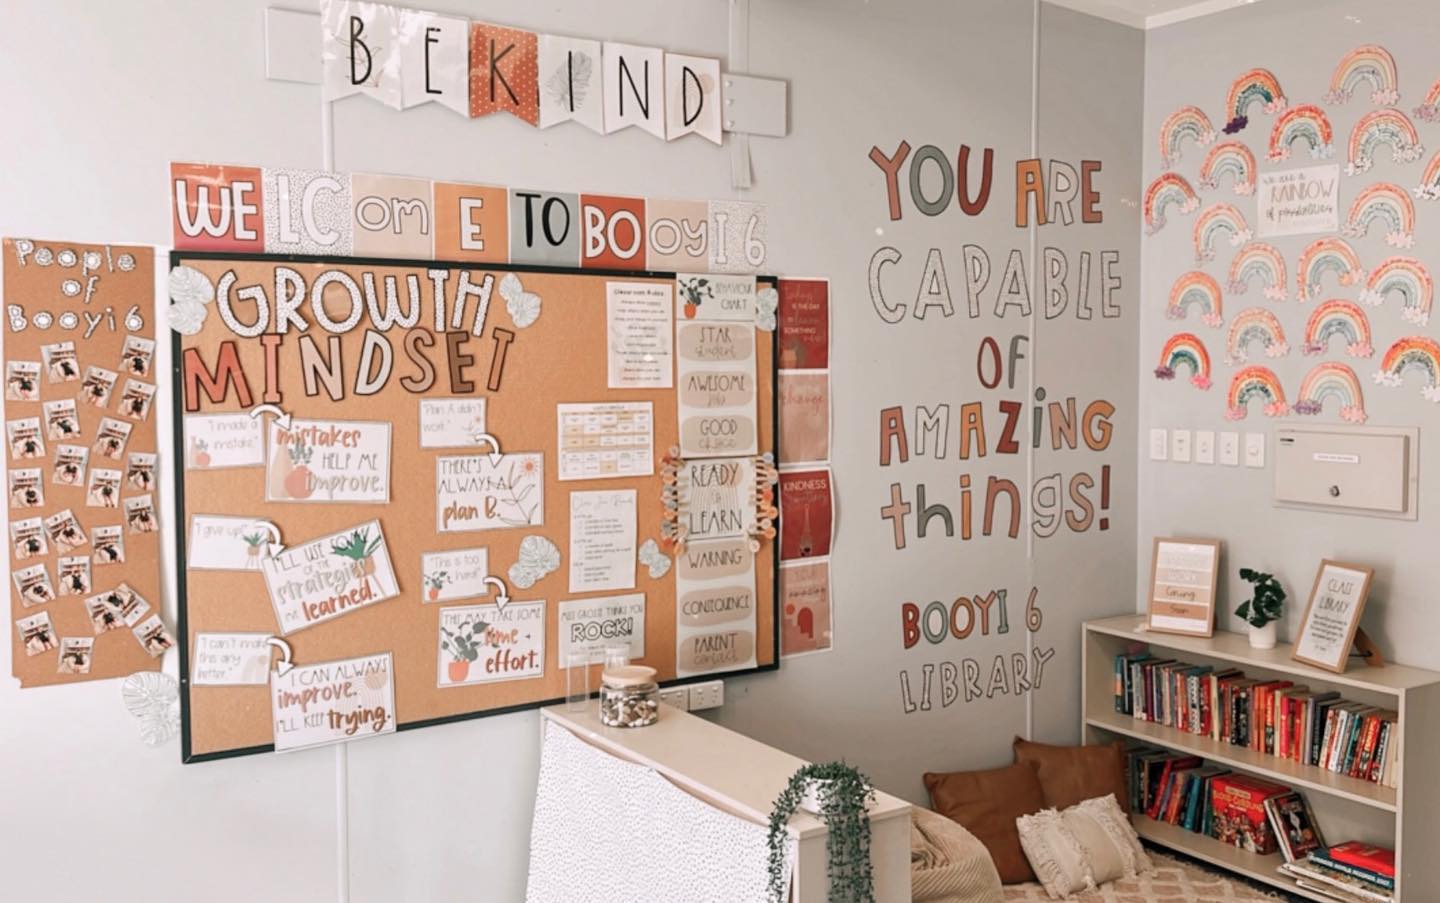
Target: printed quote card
(231, 660)
(715, 607)
(719, 498)
(484, 644)
(451, 422)
(455, 574)
(806, 511)
(331, 576)
(331, 702)
(223, 543)
(216, 441)
(715, 370)
(593, 625)
(602, 540)
(807, 623)
(339, 461)
(474, 493)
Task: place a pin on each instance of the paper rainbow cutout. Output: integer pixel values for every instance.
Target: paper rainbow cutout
(1259, 259)
(1186, 122)
(1187, 349)
(1429, 110)
(1167, 189)
(1229, 158)
(1326, 255)
(1416, 352)
(1307, 123)
(1407, 276)
(1214, 220)
(1255, 324)
(1388, 203)
(1429, 188)
(1332, 379)
(1200, 289)
(1255, 382)
(1367, 64)
(1257, 84)
(1342, 318)
(1378, 128)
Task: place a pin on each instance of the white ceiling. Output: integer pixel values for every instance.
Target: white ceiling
(1150, 13)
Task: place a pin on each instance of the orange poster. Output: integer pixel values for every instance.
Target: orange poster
(504, 72)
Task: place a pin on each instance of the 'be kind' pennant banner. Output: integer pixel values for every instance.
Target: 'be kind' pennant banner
(405, 58)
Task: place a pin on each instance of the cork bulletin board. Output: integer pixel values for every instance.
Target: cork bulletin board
(513, 434)
(79, 349)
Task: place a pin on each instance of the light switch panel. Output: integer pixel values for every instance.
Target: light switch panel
(1180, 446)
(1204, 447)
(1254, 449)
(1230, 449)
(1159, 444)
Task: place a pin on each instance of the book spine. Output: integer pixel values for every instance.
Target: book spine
(1362, 874)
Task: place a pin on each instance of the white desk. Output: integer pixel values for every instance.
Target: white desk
(743, 777)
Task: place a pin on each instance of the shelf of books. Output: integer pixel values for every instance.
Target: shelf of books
(1228, 745)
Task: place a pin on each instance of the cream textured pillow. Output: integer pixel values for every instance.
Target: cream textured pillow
(1086, 845)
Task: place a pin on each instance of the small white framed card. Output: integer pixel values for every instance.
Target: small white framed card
(1332, 615)
(1183, 575)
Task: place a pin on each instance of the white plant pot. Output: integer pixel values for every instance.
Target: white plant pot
(1263, 637)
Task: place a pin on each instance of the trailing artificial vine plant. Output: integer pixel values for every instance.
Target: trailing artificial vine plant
(1268, 601)
(843, 793)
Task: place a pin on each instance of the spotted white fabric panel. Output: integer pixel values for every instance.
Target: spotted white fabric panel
(611, 831)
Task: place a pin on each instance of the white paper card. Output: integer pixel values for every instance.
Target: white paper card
(471, 493)
(451, 422)
(602, 540)
(609, 439)
(221, 543)
(634, 87)
(715, 607)
(715, 373)
(1298, 201)
(692, 97)
(332, 702)
(455, 574)
(231, 660)
(590, 625)
(719, 498)
(482, 644)
(213, 441)
(434, 60)
(330, 576)
(340, 461)
(359, 51)
(570, 82)
(638, 326)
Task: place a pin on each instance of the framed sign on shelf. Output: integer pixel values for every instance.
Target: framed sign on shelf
(1331, 625)
(1183, 575)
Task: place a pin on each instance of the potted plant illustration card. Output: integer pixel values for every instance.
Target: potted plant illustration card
(330, 576)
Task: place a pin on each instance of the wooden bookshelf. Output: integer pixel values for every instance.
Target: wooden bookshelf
(1408, 815)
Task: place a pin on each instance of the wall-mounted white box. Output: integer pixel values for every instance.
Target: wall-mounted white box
(1348, 470)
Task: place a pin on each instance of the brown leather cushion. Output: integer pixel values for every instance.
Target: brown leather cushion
(986, 803)
(1072, 774)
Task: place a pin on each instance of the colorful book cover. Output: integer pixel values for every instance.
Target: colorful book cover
(1294, 824)
(1366, 856)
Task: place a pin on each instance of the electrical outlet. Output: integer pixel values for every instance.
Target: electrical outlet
(1230, 449)
(1204, 447)
(1254, 449)
(1180, 446)
(709, 695)
(678, 697)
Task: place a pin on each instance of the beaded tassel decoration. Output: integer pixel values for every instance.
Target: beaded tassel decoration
(672, 532)
(766, 476)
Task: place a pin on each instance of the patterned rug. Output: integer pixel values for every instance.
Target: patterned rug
(1173, 881)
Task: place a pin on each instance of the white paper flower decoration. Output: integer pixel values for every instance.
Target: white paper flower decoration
(154, 698)
(538, 557)
(187, 318)
(767, 302)
(656, 561)
(524, 306)
(188, 284)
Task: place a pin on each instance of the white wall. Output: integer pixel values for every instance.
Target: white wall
(1301, 41)
(104, 95)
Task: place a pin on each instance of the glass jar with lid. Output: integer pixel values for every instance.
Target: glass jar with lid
(629, 696)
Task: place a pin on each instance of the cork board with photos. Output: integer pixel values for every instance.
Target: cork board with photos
(365, 471)
(80, 388)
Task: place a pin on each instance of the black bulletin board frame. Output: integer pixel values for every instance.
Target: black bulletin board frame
(177, 464)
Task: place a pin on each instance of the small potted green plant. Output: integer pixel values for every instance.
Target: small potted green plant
(842, 793)
(1263, 609)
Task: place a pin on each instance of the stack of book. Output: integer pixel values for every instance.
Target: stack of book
(1184, 791)
(1349, 871)
(1270, 716)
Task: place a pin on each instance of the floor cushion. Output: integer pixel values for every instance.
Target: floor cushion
(1070, 774)
(987, 803)
(948, 864)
